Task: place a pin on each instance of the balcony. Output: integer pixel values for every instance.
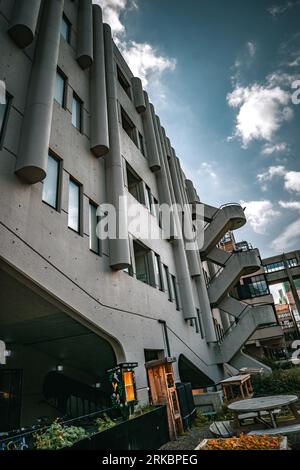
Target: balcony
(219, 221)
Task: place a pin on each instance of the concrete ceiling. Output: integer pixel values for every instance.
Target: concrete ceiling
(28, 319)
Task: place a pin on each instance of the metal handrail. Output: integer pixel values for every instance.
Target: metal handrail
(237, 319)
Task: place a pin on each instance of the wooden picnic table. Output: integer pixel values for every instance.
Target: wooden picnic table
(265, 404)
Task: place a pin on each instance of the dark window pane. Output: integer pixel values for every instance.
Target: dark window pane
(65, 29)
(158, 273)
(142, 146)
(74, 206)
(60, 89)
(4, 107)
(50, 183)
(175, 292)
(141, 262)
(76, 113)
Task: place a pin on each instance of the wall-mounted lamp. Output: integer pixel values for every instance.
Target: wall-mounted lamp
(59, 368)
(97, 385)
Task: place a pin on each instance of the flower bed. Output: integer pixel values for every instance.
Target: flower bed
(245, 442)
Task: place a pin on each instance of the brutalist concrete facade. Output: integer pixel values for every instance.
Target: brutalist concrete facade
(35, 241)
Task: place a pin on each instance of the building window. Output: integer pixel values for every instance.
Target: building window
(158, 272)
(65, 29)
(128, 126)
(257, 285)
(61, 86)
(273, 267)
(141, 256)
(51, 182)
(135, 184)
(175, 291)
(74, 206)
(156, 211)
(77, 112)
(5, 103)
(93, 221)
(166, 281)
(199, 317)
(124, 82)
(148, 198)
(141, 144)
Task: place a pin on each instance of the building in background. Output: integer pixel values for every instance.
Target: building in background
(78, 131)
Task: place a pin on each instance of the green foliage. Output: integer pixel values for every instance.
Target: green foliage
(224, 414)
(141, 410)
(58, 436)
(104, 423)
(200, 420)
(280, 381)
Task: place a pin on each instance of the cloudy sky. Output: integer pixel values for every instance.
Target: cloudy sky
(221, 76)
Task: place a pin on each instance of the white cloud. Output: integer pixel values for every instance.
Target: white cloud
(295, 63)
(251, 46)
(269, 149)
(143, 59)
(260, 214)
(292, 181)
(291, 178)
(261, 111)
(290, 205)
(272, 171)
(207, 169)
(276, 10)
(288, 238)
(112, 10)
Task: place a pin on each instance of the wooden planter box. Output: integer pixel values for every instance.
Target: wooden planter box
(283, 445)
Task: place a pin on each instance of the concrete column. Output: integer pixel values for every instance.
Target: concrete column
(183, 275)
(99, 121)
(35, 135)
(85, 34)
(119, 250)
(161, 176)
(205, 308)
(23, 22)
(293, 289)
(191, 192)
(138, 95)
(152, 151)
(187, 219)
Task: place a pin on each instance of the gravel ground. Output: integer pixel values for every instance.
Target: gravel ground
(190, 439)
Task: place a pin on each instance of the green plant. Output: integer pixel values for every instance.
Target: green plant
(280, 381)
(104, 422)
(224, 414)
(58, 436)
(141, 410)
(200, 420)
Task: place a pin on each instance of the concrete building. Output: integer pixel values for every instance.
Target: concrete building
(78, 131)
(285, 269)
(286, 321)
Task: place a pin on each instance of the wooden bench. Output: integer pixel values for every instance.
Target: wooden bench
(222, 429)
(255, 415)
(282, 430)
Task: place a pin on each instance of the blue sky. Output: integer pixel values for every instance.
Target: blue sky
(220, 75)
